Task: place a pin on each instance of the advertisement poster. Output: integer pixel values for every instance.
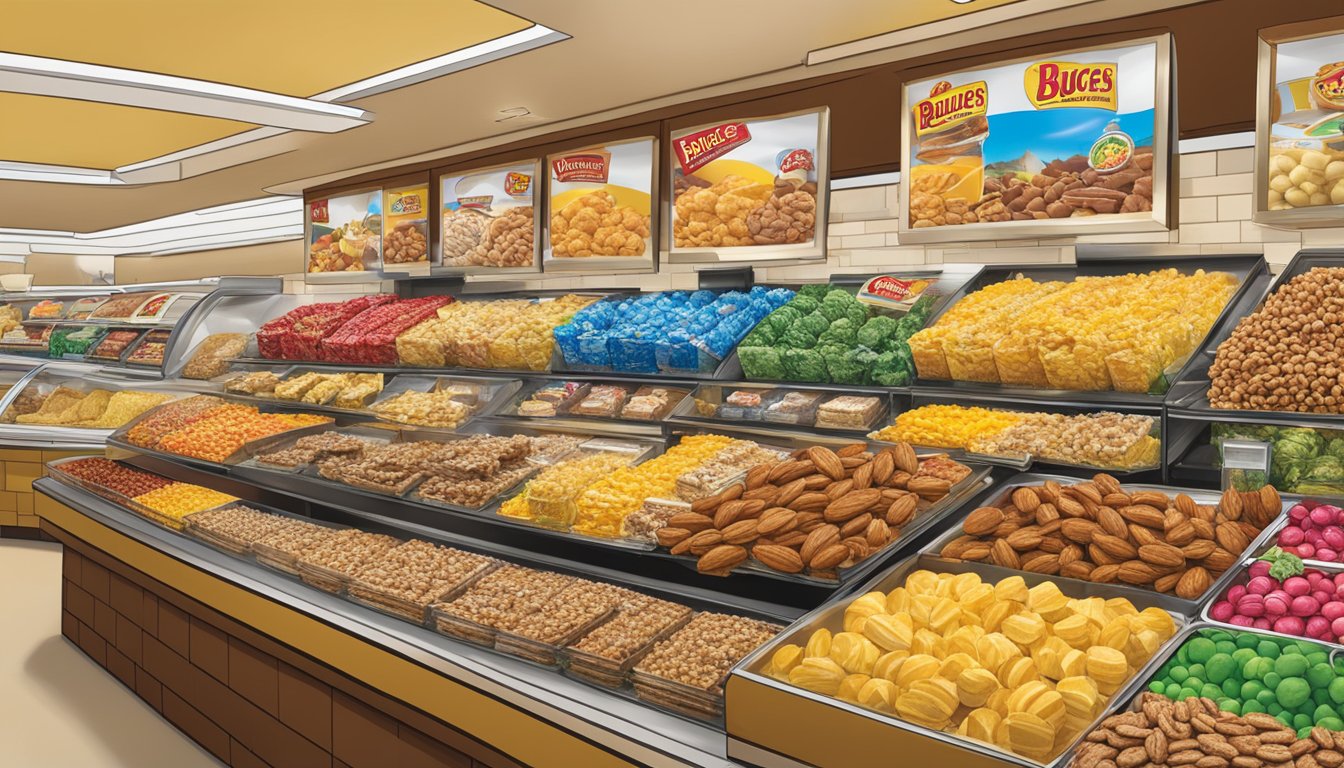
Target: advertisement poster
(1304, 165)
(406, 214)
(489, 219)
(600, 211)
(345, 233)
(1045, 144)
(754, 188)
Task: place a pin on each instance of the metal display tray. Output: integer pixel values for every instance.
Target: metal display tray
(1167, 602)
(1243, 575)
(887, 732)
(1251, 271)
(1189, 398)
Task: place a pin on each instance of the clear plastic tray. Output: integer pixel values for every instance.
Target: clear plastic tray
(609, 673)
(544, 653)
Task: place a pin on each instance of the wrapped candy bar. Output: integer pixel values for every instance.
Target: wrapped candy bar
(298, 334)
(848, 412)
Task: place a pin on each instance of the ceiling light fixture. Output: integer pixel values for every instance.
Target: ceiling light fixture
(962, 2)
(42, 76)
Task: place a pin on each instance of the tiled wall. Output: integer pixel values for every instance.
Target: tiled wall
(19, 467)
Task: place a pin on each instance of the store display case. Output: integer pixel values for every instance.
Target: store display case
(61, 404)
(770, 408)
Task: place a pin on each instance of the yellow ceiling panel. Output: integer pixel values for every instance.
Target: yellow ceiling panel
(295, 48)
(86, 134)
(913, 13)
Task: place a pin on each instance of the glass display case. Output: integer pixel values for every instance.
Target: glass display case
(63, 403)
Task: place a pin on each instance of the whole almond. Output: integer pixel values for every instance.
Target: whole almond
(853, 449)
(793, 539)
(899, 479)
(1087, 492)
(1193, 584)
(1081, 569)
(807, 521)
(1116, 500)
(851, 463)
(1100, 556)
(1136, 572)
(789, 492)
(1203, 528)
(1181, 534)
(1230, 537)
(1106, 483)
(1144, 515)
(1168, 582)
(818, 540)
(905, 458)
(1155, 499)
(704, 541)
(982, 521)
(829, 557)
(1001, 553)
(766, 493)
(1198, 549)
(931, 488)
(669, 537)
(1079, 530)
(863, 476)
(741, 532)
(1053, 543)
(774, 522)
(816, 482)
(1024, 539)
(788, 471)
(851, 504)
(883, 465)
(1140, 535)
(902, 510)
(756, 476)
(1111, 521)
(728, 514)
(1220, 560)
(976, 552)
(1115, 546)
(1162, 554)
(1043, 563)
(954, 548)
(1230, 505)
(856, 526)
(826, 462)
(1026, 499)
(836, 490)
(810, 502)
(1070, 508)
(878, 534)
(721, 559)
(858, 548)
(1270, 501)
(778, 558)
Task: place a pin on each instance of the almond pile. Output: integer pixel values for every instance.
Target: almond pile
(817, 510)
(1195, 732)
(1096, 531)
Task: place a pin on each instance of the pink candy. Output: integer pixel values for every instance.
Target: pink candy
(1307, 605)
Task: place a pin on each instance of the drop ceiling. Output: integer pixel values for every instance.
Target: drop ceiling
(622, 58)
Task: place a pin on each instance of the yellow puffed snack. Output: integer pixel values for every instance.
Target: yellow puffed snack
(980, 724)
(879, 694)
(922, 582)
(1029, 735)
(1046, 599)
(921, 605)
(992, 617)
(888, 632)
(963, 639)
(975, 686)
(1073, 663)
(898, 600)
(1023, 628)
(977, 598)
(888, 665)
(863, 607)
(1119, 606)
(1012, 588)
(1093, 609)
(1076, 630)
(998, 701)
(954, 664)
(929, 703)
(993, 650)
(1141, 647)
(961, 583)
(1038, 699)
(819, 644)
(916, 668)
(1049, 657)
(944, 615)
(1018, 672)
(850, 687)
(1159, 621)
(1080, 695)
(1115, 634)
(854, 652)
(818, 674)
(928, 641)
(1108, 667)
(784, 660)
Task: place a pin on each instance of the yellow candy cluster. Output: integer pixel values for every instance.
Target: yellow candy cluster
(946, 426)
(549, 498)
(510, 334)
(1023, 669)
(1095, 333)
(604, 505)
(177, 500)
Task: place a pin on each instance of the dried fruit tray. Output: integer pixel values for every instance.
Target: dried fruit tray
(1188, 608)
(751, 685)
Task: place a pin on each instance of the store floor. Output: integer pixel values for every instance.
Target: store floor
(58, 709)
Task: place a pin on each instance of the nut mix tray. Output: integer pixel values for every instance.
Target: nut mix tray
(405, 580)
(1182, 545)
(685, 672)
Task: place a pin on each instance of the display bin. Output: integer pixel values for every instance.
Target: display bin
(855, 736)
(414, 612)
(609, 673)
(1250, 271)
(1242, 576)
(708, 406)
(928, 515)
(1168, 602)
(232, 545)
(1189, 453)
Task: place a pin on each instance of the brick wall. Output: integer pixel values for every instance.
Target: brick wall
(19, 467)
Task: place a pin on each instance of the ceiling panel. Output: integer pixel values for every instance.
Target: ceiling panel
(295, 48)
(86, 134)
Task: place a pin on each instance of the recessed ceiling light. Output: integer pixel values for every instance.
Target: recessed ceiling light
(962, 2)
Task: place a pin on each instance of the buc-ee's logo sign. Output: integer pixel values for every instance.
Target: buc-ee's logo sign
(947, 105)
(1053, 84)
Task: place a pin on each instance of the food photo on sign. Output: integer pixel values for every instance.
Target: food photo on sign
(345, 233)
(601, 207)
(1074, 138)
(489, 218)
(757, 185)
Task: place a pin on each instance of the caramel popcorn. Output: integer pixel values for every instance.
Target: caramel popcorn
(549, 498)
(717, 215)
(426, 409)
(594, 225)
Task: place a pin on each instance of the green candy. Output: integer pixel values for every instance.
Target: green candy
(1268, 649)
(1219, 668)
(1158, 687)
(1173, 691)
(1243, 655)
(1265, 697)
(1231, 688)
(1336, 690)
(1250, 689)
(1211, 691)
(1331, 723)
(1178, 673)
(1292, 692)
(1302, 721)
(1272, 680)
(1247, 707)
(1197, 670)
(1247, 641)
(1320, 675)
(1201, 649)
(1230, 705)
(1291, 665)
(1322, 712)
